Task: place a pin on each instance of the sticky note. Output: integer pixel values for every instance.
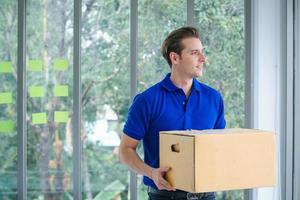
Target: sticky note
(35, 65)
(5, 97)
(61, 116)
(7, 126)
(39, 118)
(36, 91)
(5, 67)
(61, 90)
(60, 64)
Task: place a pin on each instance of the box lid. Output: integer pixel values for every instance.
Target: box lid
(215, 131)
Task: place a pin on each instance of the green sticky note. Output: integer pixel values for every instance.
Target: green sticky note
(5, 97)
(35, 65)
(5, 67)
(39, 118)
(7, 126)
(61, 116)
(36, 91)
(60, 64)
(61, 90)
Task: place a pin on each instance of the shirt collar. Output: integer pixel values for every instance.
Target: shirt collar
(196, 85)
(168, 84)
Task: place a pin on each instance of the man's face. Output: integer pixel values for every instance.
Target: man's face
(190, 62)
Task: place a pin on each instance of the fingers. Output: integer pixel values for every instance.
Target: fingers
(165, 185)
(160, 182)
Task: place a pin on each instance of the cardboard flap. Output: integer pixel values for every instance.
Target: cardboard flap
(216, 131)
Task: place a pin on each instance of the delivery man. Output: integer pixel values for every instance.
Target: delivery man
(178, 102)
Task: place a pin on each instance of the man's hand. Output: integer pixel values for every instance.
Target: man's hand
(128, 156)
(157, 175)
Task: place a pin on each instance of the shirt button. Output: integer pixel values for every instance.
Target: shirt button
(183, 102)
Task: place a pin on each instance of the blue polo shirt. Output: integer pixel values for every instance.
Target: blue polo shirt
(164, 107)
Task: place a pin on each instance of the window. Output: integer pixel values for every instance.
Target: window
(105, 86)
(105, 97)
(8, 100)
(49, 82)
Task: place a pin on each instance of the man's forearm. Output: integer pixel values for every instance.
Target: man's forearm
(129, 157)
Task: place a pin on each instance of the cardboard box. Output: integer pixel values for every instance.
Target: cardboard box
(218, 160)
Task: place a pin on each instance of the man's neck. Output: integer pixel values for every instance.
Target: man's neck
(184, 83)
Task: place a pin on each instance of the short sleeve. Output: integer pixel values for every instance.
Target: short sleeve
(220, 122)
(138, 118)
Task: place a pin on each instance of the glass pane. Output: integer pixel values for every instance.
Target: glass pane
(49, 98)
(167, 15)
(105, 75)
(8, 99)
(221, 26)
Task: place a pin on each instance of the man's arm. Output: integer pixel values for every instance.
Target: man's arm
(129, 157)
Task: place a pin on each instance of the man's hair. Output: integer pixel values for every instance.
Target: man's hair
(173, 42)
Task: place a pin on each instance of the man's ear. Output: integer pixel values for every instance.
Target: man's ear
(174, 57)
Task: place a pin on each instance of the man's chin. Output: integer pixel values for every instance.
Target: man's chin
(198, 74)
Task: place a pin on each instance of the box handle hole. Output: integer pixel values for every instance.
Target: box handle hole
(175, 148)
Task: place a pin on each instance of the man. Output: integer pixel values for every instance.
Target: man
(178, 102)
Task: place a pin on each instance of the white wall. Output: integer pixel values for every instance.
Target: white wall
(267, 68)
(297, 103)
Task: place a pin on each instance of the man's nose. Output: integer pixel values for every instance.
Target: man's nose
(202, 57)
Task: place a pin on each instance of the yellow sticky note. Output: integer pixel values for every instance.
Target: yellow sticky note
(5, 67)
(39, 118)
(61, 90)
(5, 97)
(35, 65)
(36, 91)
(60, 64)
(61, 116)
(7, 126)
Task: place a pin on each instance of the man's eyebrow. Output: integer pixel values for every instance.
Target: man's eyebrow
(201, 50)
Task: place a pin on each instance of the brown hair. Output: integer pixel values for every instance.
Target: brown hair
(173, 42)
